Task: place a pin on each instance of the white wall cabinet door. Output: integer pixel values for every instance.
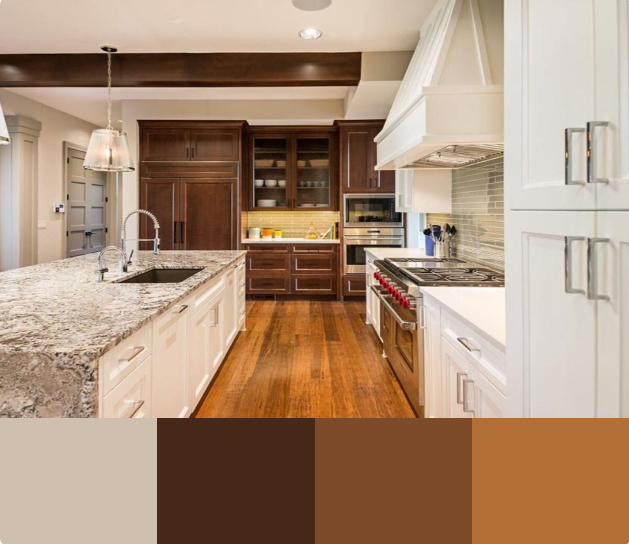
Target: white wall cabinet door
(404, 191)
(456, 372)
(611, 274)
(551, 80)
(170, 363)
(231, 307)
(551, 324)
(610, 147)
(432, 361)
(218, 329)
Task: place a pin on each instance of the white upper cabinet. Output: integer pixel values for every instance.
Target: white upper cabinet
(423, 191)
(550, 81)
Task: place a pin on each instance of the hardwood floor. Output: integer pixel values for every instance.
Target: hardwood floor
(306, 360)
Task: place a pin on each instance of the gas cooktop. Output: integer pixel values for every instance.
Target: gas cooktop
(428, 262)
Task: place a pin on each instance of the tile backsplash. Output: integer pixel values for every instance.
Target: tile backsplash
(478, 213)
(292, 224)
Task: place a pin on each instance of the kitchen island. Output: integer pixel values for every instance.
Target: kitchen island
(59, 329)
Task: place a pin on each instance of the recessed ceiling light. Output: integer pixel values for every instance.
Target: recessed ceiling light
(312, 5)
(310, 34)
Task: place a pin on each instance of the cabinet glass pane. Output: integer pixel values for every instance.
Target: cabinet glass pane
(270, 156)
(313, 173)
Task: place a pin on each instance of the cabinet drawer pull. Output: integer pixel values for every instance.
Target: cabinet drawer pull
(568, 265)
(592, 275)
(460, 376)
(242, 312)
(466, 400)
(242, 284)
(134, 408)
(466, 344)
(136, 352)
(591, 152)
(180, 308)
(569, 133)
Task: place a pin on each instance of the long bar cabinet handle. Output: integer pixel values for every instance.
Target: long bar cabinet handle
(570, 290)
(569, 133)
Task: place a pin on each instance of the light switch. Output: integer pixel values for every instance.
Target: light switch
(41, 225)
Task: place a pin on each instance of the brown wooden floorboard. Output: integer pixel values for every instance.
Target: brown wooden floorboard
(306, 360)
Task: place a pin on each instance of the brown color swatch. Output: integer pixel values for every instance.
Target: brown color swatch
(393, 481)
(236, 481)
(550, 481)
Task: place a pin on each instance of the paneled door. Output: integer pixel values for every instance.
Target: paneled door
(165, 144)
(455, 371)
(356, 165)
(551, 70)
(86, 201)
(610, 273)
(551, 346)
(384, 180)
(207, 219)
(214, 145)
(161, 197)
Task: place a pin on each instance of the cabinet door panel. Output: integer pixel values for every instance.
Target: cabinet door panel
(551, 73)
(231, 306)
(551, 333)
(455, 369)
(215, 145)
(314, 285)
(165, 144)
(200, 366)
(384, 180)
(488, 401)
(356, 167)
(160, 197)
(208, 214)
(312, 264)
(170, 362)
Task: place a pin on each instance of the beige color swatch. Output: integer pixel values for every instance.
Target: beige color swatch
(78, 481)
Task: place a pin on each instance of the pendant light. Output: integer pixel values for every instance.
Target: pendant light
(108, 150)
(4, 131)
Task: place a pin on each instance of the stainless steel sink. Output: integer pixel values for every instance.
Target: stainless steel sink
(163, 275)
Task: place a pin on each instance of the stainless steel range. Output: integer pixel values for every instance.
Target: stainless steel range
(402, 317)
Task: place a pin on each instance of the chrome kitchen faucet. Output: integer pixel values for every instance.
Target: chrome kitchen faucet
(155, 240)
(122, 262)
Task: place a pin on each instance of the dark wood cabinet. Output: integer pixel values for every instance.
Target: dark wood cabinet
(354, 285)
(292, 168)
(296, 269)
(194, 214)
(359, 158)
(190, 179)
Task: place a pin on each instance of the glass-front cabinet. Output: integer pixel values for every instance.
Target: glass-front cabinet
(293, 170)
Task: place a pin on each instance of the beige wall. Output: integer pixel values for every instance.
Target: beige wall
(57, 128)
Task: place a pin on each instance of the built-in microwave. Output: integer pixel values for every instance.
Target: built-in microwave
(377, 210)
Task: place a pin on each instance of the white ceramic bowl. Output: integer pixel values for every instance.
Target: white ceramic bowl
(281, 183)
(267, 203)
(259, 183)
(270, 183)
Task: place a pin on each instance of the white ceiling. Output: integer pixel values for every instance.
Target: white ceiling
(89, 103)
(155, 26)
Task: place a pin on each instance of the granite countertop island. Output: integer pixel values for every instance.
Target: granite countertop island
(56, 321)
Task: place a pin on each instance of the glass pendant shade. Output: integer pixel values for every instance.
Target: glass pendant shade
(108, 151)
(4, 131)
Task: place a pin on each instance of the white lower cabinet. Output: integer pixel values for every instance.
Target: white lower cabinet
(170, 363)
(373, 302)
(165, 369)
(456, 371)
(432, 367)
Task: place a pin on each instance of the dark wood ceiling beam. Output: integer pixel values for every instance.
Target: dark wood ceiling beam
(182, 70)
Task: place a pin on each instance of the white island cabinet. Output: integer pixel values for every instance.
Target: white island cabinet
(164, 369)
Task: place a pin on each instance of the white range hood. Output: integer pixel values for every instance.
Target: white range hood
(449, 110)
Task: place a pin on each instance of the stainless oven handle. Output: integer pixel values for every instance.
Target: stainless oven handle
(404, 325)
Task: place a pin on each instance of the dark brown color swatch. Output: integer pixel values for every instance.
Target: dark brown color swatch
(393, 481)
(550, 481)
(236, 481)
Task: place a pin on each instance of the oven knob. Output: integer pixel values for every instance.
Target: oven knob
(406, 304)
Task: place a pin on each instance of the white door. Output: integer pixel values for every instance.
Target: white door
(610, 282)
(170, 362)
(200, 370)
(610, 149)
(231, 308)
(456, 374)
(551, 324)
(86, 207)
(550, 79)
(218, 336)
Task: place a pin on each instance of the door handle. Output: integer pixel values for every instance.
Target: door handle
(466, 344)
(460, 376)
(592, 275)
(568, 265)
(175, 232)
(180, 308)
(187, 152)
(569, 133)
(466, 399)
(591, 154)
(192, 151)
(182, 225)
(135, 406)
